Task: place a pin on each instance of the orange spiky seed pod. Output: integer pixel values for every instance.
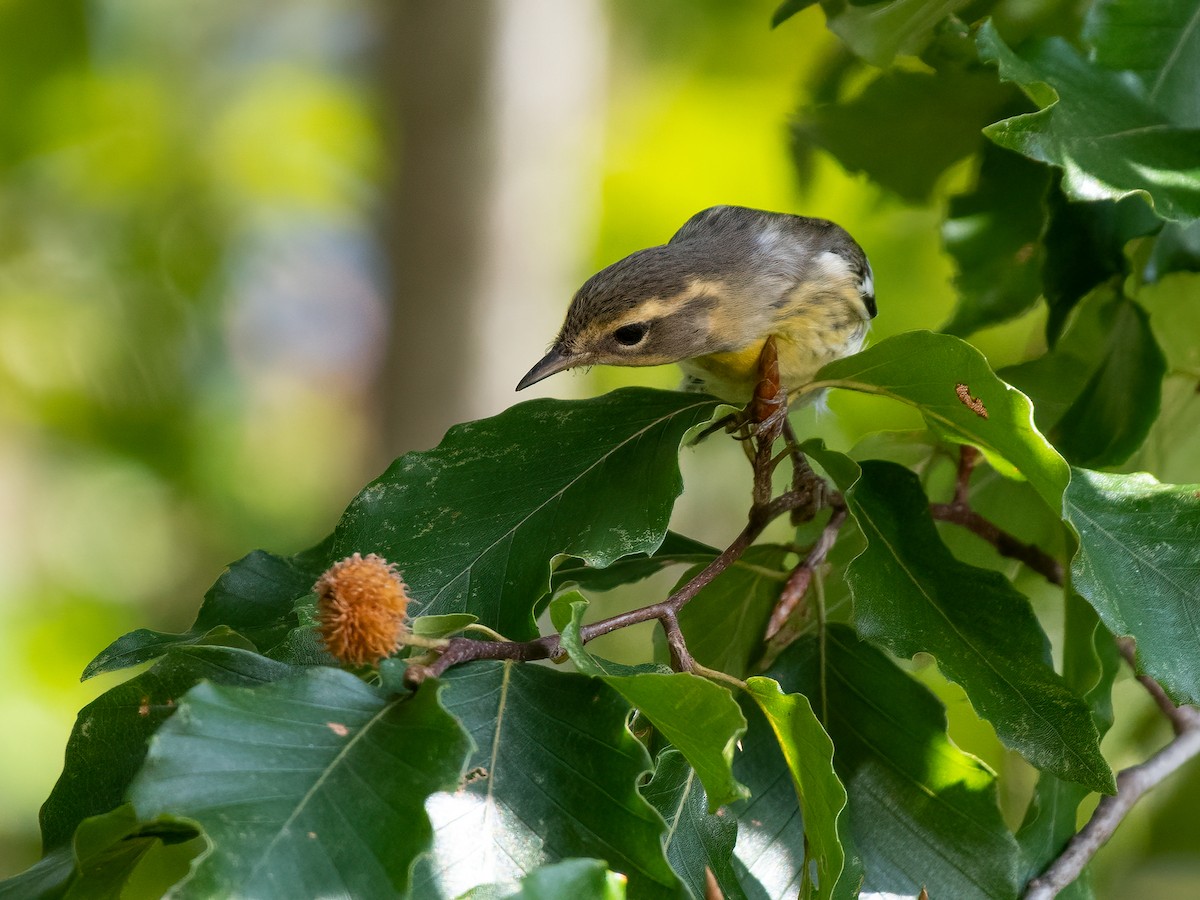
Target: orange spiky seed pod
(361, 604)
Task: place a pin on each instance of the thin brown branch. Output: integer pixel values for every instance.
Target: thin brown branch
(1180, 717)
(1132, 783)
(1006, 544)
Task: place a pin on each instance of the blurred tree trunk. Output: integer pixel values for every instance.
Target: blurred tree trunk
(494, 105)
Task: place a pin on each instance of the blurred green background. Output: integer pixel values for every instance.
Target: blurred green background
(251, 252)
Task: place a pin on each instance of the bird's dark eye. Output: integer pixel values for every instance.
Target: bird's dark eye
(630, 335)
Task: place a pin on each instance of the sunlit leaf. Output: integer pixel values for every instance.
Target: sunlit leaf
(310, 786)
(956, 391)
(474, 523)
(808, 753)
(1139, 565)
(1096, 126)
(108, 742)
(698, 716)
(554, 776)
(696, 839)
(923, 813)
(911, 596)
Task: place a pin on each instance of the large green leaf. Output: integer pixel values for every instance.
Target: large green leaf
(1096, 126)
(108, 742)
(1160, 42)
(554, 776)
(310, 786)
(475, 522)
(931, 119)
(251, 602)
(1097, 393)
(696, 715)
(993, 234)
(808, 752)
(1138, 564)
(912, 595)
(696, 839)
(724, 623)
(923, 813)
(956, 391)
(1090, 663)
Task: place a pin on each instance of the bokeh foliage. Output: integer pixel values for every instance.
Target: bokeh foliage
(1090, 293)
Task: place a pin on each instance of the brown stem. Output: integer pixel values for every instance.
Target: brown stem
(1006, 544)
(1132, 783)
(1180, 717)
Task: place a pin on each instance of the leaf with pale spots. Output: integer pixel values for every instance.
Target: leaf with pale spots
(311, 786)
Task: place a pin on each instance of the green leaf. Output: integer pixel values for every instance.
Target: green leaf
(923, 813)
(952, 385)
(554, 776)
(1138, 565)
(674, 550)
(474, 523)
(911, 595)
(993, 233)
(787, 9)
(254, 598)
(724, 623)
(311, 786)
(1098, 392)
(879, 32)
(106, 852)
(1159, 42)
(696, 839)
(1085, 247)
(108, 742)
(697, 716)
(441, 626)
(579, 879)
(931, 119)
(808, 752)
(1097, 126)
(1090, 663)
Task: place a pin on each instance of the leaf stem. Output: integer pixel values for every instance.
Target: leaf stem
(959, 512)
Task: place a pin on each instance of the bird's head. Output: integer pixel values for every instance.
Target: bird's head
(648, 309)
(719, 284)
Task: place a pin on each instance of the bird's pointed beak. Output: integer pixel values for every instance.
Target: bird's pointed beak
(555, 361)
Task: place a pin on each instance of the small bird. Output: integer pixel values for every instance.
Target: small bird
(710, 297)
